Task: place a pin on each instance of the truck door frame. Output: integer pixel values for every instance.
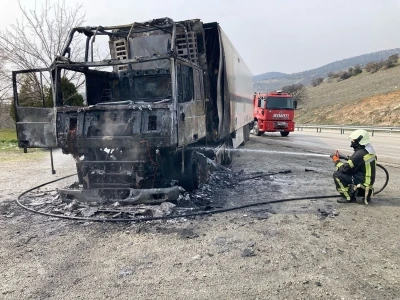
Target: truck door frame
(190, 114)
(261, 105)
(36, 126)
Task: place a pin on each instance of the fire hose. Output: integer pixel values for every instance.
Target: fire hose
(193, 214)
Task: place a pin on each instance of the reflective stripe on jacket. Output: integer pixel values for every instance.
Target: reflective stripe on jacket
(361, 165)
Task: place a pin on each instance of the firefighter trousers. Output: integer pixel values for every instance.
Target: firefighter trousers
(342, 182)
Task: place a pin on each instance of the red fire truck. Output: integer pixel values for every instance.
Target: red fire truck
(273, 112)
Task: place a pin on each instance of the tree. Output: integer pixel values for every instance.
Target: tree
(373, 67)
(70, 95)
(357, 70)
(317, 81)
(39, 36)
(333, 75)
(391, 61)
(346, 74)
(4, 78)
(5, 89)
(29, 94)
(297, 90)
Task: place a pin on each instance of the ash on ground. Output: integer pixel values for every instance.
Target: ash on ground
(223, 189)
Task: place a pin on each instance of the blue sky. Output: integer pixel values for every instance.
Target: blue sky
(271, 35)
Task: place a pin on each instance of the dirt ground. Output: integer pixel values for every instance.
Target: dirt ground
(382, 110)
(309, 249)
(365, 99)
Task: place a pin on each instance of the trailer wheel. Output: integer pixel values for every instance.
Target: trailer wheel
(189, 179)
(227, 156)
(196, 171)
(246, 132)
(284, 133)
(256, 130)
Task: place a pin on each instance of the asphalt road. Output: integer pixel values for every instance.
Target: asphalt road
(386, 145)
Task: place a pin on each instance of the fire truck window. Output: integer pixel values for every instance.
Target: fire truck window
(280, 103)
(185, 83)
(261, 102)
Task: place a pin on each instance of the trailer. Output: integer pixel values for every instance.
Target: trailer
(169, 96)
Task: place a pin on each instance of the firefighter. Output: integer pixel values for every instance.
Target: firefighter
(359, 169)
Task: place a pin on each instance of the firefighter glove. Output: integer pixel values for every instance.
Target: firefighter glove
(335, 158)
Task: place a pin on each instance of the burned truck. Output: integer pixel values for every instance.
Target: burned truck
(167, 96)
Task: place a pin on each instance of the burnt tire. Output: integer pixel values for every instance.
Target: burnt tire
(195, 171)
(284, 133)
(188, 179)
(256, 130)
(227, 158)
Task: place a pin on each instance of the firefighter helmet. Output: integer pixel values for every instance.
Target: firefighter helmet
(361, 135)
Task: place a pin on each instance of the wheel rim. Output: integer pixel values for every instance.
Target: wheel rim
(256, 131)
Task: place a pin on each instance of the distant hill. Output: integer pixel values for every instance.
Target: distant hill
(269, 75)
(275, 80)
(364, 99)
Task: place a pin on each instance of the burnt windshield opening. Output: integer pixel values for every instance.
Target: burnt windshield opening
(280, 103)
(121, 84)
(150, 88)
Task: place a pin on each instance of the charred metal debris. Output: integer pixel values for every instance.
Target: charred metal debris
(166, 88)
(221, 193)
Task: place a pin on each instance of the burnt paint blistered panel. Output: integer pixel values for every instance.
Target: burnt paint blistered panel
(192, 122)
(110, 123)
(36, 127)
(156, 122)
(116, 128)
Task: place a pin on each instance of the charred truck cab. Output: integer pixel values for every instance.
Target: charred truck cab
(273, 112)
(167, 90)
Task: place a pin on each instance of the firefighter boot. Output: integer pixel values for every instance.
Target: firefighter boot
(369, 192)
(352, 195)
(344, 200)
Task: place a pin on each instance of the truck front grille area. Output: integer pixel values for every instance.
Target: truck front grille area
(119, 174)
(281, 125)
(102, 127)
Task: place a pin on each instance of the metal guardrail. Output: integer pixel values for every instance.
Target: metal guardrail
(342, 128)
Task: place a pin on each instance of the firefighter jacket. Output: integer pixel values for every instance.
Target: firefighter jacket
(361, 165)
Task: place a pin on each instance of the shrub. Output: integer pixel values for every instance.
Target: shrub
(357, 70)
(333, 75)
(391, 61)
(345, 75)
(298, 91)
(373, 67)
(317, 81)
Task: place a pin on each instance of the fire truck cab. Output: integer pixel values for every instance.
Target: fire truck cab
(273, 112)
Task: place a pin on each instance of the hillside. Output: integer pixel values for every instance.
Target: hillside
(269, 75)
(365, 99)
(275, 80)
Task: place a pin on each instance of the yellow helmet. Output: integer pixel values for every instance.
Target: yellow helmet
(361, 135)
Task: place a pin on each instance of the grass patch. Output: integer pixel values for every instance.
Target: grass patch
(10, 150)
(8, 140)
(8, 136)
(17, 155)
